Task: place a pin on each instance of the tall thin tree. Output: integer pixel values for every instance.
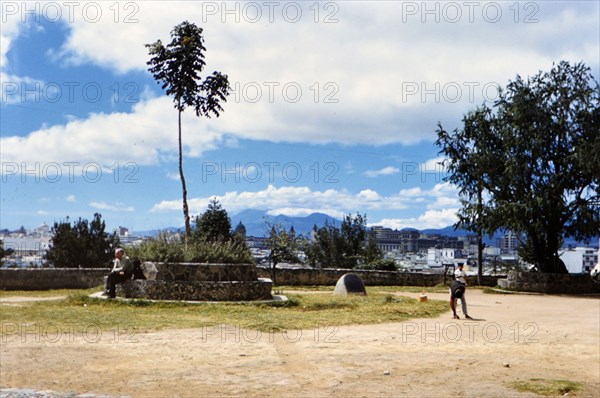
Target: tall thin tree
(177, 66)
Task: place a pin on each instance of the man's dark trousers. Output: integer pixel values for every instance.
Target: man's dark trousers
(113, 279)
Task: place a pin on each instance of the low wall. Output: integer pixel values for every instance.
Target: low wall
(83, 278)
(330, 276)
(196, 290)
(538, 282)
(203, 272)
(51, 278)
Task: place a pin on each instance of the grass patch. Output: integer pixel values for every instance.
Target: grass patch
(440, 288)
(303, 311)
(43, 293)
(547, 387)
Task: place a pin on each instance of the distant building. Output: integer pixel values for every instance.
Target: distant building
(580, 259)
(444, 256)
(256, 242)
(440, 241)
(42, 230)
(410, 240)
(240, 231)
(28, 250)
(509, 243)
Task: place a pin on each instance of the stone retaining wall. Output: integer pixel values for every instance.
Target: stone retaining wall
(203, 272)
(330, 276)
(51, 278)
(83, 278)
(196, 290)
(538, 282)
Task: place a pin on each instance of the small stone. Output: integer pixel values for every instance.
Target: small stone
(386, 373)
(506, 365)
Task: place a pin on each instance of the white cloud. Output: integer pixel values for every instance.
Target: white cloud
(173, 176)
(386, 171)
(71, 199)
(144, 136)
(115, 207)
(370, 100)
(303, 200)
(291, 197)
(433, 166)
(429, 219)
(341, 101)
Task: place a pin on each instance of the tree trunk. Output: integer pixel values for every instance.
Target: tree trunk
(479, 233)
(186, 213)
(479, 256)
(273, 273)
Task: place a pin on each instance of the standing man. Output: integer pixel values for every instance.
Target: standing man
(122, 271)
(460, 276)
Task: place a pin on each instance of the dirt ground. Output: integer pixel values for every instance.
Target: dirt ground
(512, 338)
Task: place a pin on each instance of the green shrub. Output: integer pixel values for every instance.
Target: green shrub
(172, 249)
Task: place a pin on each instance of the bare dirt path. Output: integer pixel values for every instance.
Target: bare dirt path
(514, 337)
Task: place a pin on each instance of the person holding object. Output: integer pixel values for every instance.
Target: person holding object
(457, 291)
(122, 270)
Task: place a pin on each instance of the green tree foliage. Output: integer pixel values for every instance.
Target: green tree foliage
(214, 225)
(283, 246)
(211, 241)
(344, 247)
(82, 244)
(372, 252)
(178, 67)
(169, 248)
(531, 163)
(326, 247)
(4, 252)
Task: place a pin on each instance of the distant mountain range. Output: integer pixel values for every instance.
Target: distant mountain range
(254, 221)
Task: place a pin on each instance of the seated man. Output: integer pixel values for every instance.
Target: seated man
(122, 271)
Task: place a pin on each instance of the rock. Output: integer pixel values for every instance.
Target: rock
(149, 270)
(506, 365)
(349, 284)
(386, 373)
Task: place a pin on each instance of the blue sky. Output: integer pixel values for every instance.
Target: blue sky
(334, 109)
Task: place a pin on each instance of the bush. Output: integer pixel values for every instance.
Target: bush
(171, 249)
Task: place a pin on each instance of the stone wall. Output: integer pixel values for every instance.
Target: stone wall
(330, 276)
(196, 290)
(203, 272)
(51, 278)
(538, 282)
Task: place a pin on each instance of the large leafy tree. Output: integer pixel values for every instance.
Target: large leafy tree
(214, 225)
(81, 244)
(342, 247)
(178, 67)
(283, 246)
(531, 162)
(326, 248)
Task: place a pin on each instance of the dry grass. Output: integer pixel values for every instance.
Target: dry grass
(303, 311)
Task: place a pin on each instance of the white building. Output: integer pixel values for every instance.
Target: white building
(440, 257)
(28, 250)
(580, 259)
